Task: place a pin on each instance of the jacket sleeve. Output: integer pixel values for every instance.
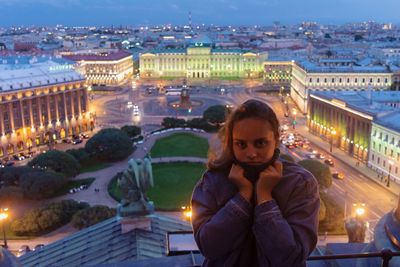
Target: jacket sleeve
(289, 240)
(218, 230)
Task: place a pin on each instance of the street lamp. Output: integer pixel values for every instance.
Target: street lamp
(333, 133)
(359, 209)
(187, 212)
(3, 217)
(390, 170)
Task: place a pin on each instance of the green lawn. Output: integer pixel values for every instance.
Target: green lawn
(173, 184)
(180, 144)
(73, 184)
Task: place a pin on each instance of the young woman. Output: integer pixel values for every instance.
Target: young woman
(250, 209)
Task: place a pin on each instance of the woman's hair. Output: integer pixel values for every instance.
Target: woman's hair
(221, 160)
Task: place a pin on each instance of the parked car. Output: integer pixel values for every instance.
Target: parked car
(329, 162)
(311, 155)
(9, 163)
(76, 141)
(84, 136)
(320, 156)
(38, 246)
(23, 250)
(338, 175)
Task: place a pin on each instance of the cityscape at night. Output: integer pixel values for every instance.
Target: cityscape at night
(114, 114)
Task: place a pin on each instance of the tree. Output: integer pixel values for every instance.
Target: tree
(109, 144)
(215, 114)
(79, 154)
(40, 185)
(322, 211)
(287, 157)
(43, 220)
(320, 171)
(90, 216)
(201, 123)
(57, 161)
(131, 130)
(11, 175)
(169, 122)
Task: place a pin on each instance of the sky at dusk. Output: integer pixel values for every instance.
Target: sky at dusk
(217, 12)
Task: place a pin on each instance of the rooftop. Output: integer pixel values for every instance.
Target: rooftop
(23, 76)
(99, 57)
(373, 103)
(104, 243)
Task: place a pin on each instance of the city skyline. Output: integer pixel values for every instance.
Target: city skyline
(217, 12)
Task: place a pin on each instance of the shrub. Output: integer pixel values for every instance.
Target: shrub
(11, 175)
(215, 114)
(169, 122)
(79, 154)
(131, 130)
(320, 171)
(287, 157)
(39, 185)
(90, 216)
(43, 220)
(57, 161)
(109, 144)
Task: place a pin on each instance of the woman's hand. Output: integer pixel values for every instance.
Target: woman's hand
(269, 178)
(236, 175)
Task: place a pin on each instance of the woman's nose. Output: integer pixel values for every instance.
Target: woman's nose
(251, 153)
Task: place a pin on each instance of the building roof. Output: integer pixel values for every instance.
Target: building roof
(105, 243)
(314, 68)
(373, 103)
(99, 57)
(24, 76)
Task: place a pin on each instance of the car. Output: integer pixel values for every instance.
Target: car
(84, 136)
(311, 156)
(38, 246)
(320, 156)
(338, 175)
(23, 250)
(76, 141)
(329, 162)
(18, 157)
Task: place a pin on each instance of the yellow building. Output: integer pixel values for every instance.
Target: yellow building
(201, 61)
(105, 69)
(41, 104)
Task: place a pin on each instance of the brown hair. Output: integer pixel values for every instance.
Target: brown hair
(221, 160)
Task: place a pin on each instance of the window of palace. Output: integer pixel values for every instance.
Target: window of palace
(355, 80)
(378, 80)
(363, 80)
(373, 157)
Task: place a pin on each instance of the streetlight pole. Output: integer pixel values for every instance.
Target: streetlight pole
(333, 132)
(294, 112)
(390, 170)
(3, 217)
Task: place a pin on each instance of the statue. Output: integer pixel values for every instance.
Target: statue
(134, 183)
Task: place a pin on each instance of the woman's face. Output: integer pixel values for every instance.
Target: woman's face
(253, 141)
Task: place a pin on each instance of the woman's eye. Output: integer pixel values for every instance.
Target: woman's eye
(240, 144)
(261, 143)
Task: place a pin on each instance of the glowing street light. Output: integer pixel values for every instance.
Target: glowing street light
(187, 212)
(3, 217)
(359, 209)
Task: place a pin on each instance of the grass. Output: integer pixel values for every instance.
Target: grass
(180, 145)
(173, 185)
(94, 165)
(73, 184)
(334, 220)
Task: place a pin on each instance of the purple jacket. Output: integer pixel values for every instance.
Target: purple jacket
(230, 231)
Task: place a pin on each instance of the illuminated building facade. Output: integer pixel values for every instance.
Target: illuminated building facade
(278, 74)
(201, 61)
(365, 124)
(41, 104)
(307, 77)
(105, 69)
